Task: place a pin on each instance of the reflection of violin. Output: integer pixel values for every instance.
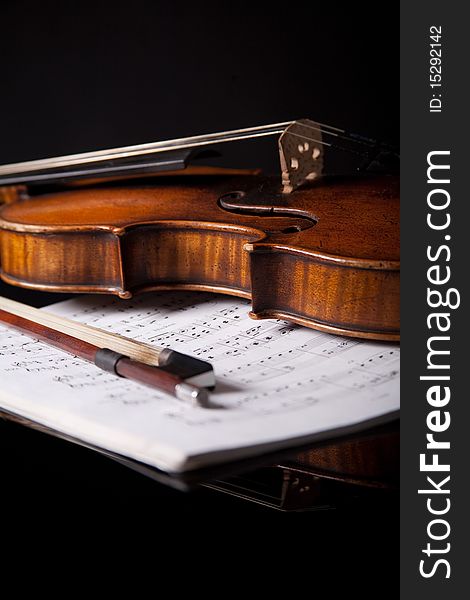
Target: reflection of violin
(329, 474)
(323, 253)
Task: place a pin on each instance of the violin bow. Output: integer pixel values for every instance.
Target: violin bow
(183, 376)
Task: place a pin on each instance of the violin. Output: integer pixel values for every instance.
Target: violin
(313, 248)
(317, 250)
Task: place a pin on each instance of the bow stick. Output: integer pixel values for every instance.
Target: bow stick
(183, 376)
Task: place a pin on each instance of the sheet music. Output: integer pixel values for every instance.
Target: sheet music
(276, 382)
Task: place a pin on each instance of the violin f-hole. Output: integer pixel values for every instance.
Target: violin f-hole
(241, 203)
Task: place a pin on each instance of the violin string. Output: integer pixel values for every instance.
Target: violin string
(332, 146)
(341, 135)
(308, 138)
(177, 144)
(21, 177)
(90, 171)
(161, 146)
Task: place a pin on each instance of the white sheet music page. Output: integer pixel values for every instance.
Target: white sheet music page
(278, 384)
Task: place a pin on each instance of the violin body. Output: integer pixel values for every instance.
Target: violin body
(325, 256)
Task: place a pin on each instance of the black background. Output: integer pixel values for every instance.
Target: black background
(78, 76)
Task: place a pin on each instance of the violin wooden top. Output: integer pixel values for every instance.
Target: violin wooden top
(354, 218)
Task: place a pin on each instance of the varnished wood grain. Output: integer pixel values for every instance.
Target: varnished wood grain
(330, 260)
(371, 459)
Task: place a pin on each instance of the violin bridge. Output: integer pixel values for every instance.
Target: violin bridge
(301, 154)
